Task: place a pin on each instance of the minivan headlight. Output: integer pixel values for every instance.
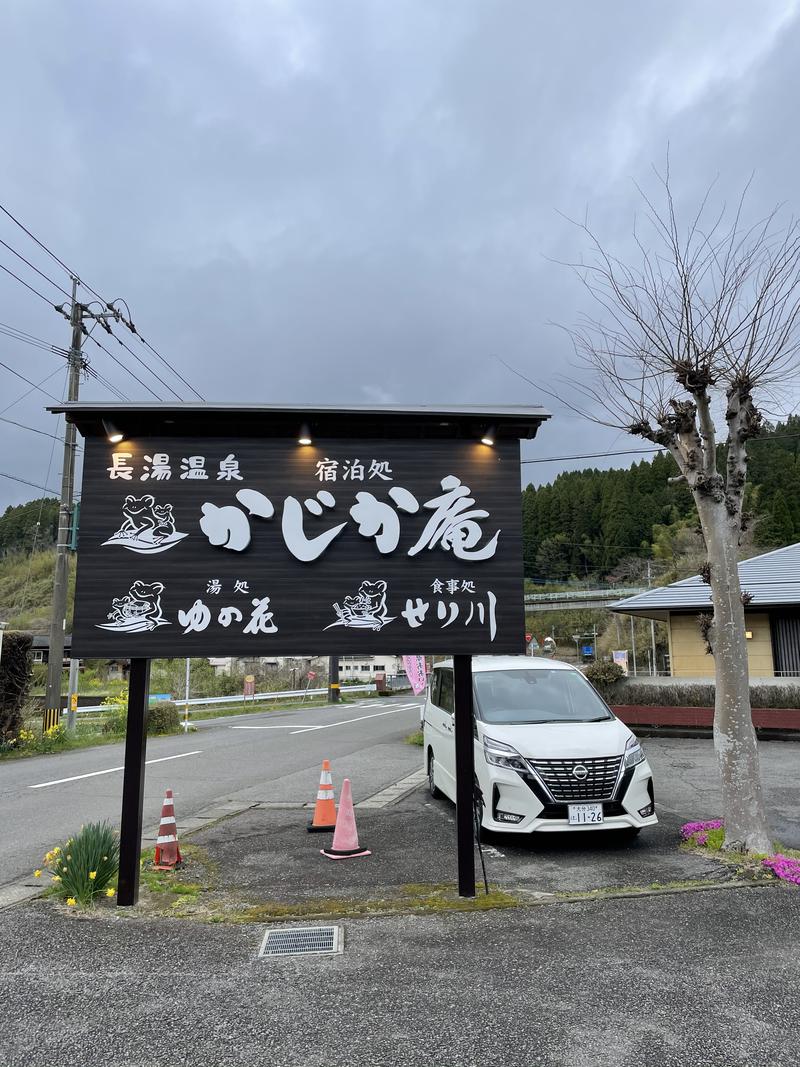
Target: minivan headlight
(501, 755)
(634, 753)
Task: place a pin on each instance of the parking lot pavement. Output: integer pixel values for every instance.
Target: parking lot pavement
(695, 980)
(687, 781)
(267, 855)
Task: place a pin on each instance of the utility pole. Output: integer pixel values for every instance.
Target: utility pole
(55, 661)
(333, 680)
(72, 693)
(633, 643)
(652, 629)
(187, 685)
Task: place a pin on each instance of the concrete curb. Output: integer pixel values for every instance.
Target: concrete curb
(18, 893)
(391, 794)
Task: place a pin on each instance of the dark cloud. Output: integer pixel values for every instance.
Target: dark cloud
(362, 201)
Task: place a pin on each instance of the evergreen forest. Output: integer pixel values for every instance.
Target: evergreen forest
(594, 525)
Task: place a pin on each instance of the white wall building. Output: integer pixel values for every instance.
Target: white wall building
(368, 666)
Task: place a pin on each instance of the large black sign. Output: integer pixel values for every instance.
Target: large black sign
(252, 546)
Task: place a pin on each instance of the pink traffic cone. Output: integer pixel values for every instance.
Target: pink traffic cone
(345, 837)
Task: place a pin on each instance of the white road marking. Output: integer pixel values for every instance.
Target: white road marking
(110, 770)
(286, 726)
(344, 722)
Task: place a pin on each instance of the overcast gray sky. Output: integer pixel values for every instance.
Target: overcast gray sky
(360, 200)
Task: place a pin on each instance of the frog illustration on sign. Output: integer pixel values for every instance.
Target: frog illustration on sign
(138, 611)
(366, 610)
(147, 527)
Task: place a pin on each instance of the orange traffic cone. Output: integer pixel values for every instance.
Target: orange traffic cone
(168, 854)
(345, 840)
(325, 809)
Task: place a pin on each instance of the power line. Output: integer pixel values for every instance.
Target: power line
(167, 364)
(24, 481)
(125, 368)
(28, 382)
(32, 429)
(22, 282)
(108, 304)
(28, 263)
(104, 381)
(639, 451)
(146, 367)
(13, 403)
(60, 262)
(29, 339)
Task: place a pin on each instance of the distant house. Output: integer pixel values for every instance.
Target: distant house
(40, 649)
(772, 616)
(366, 667)
(40, 653)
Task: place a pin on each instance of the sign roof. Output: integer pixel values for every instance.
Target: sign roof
(513, 421)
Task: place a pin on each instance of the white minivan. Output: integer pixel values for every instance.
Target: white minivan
(549, 754)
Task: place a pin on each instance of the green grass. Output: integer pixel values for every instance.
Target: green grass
(26, 590)
(417, 738)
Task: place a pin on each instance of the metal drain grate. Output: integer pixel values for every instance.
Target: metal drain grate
(303, 941)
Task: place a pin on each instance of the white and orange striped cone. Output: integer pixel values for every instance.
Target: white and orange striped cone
(168, 854)
(324, 819)
(345, 840)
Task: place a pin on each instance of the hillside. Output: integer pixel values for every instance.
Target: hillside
(31, 525)
(26, 590)
(594, 524)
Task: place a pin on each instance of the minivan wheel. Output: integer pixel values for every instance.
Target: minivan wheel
(432, 788)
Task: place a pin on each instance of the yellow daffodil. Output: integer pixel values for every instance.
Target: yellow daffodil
(92, 875)
(109, 892)
(71, 902)
(56, 878)
(37, 874)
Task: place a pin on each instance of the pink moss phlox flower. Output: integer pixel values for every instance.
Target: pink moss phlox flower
(785, 867)
(701, 838)
(689, 829)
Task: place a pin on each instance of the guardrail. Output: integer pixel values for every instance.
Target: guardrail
(584, 594)
(282, 694)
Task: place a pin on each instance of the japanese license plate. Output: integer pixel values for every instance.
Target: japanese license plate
(583, 814)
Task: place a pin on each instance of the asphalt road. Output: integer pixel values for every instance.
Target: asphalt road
(273, 756)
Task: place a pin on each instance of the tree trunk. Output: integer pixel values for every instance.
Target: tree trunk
(735, 742)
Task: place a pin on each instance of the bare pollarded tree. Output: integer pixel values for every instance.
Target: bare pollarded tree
(684, 349)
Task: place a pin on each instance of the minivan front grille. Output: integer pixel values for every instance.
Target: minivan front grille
(564, 785)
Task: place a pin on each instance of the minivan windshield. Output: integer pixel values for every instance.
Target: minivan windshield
(534, 696)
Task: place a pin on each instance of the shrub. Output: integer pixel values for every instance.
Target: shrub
(83, 867)
(164, 718)
(605, 677)
(116, 718)
(700, 695)
(15, 678)
(39, 677)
